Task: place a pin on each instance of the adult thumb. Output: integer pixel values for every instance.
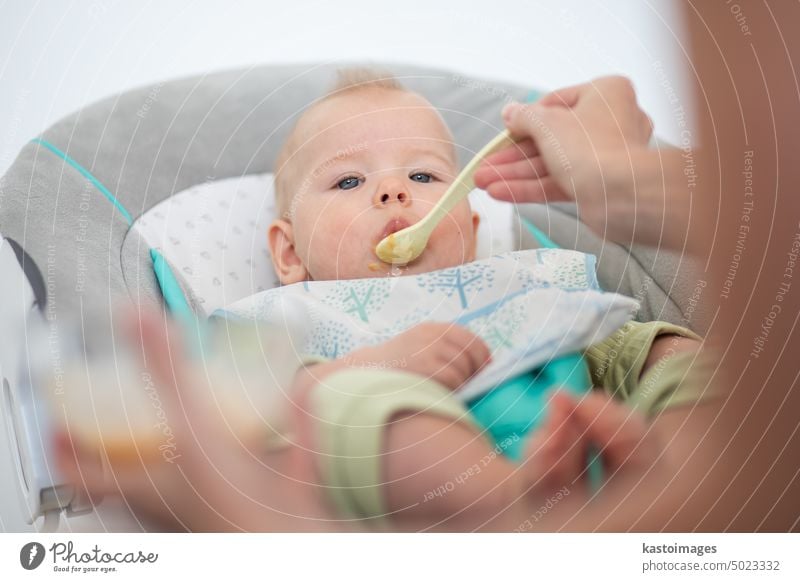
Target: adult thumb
(527, 120)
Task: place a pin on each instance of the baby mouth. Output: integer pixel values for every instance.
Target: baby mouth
(394, 225)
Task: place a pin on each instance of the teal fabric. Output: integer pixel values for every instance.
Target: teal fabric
(517, 407)
(170, 289)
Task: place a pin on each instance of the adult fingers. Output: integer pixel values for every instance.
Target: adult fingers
(620, 433)
(556, 456)
(525, 148)
(648, 126)
(522, 169)
(526, 120)
(563, 442)
(528, 191)
(613, 87)
(566, 97)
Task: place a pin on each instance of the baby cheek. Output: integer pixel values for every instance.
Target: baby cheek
(458, 229)
(324, 240)
(336, 248)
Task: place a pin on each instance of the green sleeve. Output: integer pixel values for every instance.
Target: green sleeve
(616, 364)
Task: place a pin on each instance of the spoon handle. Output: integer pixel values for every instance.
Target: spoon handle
(464, 184)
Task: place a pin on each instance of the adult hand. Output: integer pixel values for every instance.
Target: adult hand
(557, 454)
(577, 143)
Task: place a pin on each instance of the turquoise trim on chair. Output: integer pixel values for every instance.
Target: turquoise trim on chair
(88, 175)
(540, 237)
(170, 289)
(178, 306)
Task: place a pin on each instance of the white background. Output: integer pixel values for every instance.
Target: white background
(57, 56)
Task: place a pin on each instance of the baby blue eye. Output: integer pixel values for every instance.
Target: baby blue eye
(421, 177)
(349, 183)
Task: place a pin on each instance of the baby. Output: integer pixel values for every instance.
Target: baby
(367, 160)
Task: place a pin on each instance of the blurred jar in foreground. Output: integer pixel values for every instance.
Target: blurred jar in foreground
(103, 395)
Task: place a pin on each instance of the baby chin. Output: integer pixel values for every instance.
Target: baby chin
(429, 260)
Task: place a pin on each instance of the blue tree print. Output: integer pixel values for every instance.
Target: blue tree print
(472, 277)
(330, 339)
(501, 328)
(565, 269)
(358, 303)
(358, 298)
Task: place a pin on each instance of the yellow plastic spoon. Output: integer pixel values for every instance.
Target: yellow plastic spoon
(403, 246)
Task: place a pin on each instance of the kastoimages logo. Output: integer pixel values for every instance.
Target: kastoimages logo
(31, 555)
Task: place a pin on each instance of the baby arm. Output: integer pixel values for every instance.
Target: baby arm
(423, 450)
(658, 369)
(433, 461)
(621, 363)
(456, 480)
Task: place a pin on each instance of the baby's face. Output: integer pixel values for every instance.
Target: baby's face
(370, 163)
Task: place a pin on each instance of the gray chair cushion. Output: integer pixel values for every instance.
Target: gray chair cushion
(667, 284)
(149, 143)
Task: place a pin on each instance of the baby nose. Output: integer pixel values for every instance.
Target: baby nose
(388, 193)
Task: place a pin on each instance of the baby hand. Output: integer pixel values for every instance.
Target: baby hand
(445, 352)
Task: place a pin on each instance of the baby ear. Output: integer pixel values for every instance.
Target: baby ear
(476, 221)
(285, 260)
